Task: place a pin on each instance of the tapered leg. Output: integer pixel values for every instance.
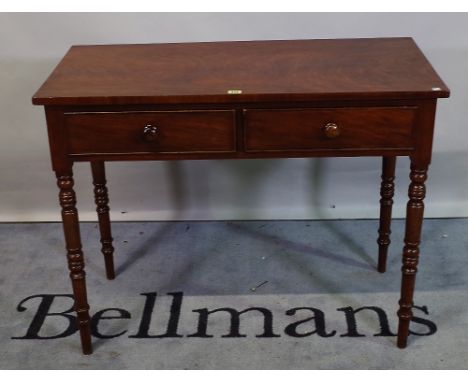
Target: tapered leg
(75, 256)
(414, 220)
(102, 208)
(386, 202)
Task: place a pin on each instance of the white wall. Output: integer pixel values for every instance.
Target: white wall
(32, 44)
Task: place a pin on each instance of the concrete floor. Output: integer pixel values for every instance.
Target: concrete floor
(316, 272)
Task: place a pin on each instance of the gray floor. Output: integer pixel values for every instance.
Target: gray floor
(274, 265)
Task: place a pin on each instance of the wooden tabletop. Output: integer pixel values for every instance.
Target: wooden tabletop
(297, 70)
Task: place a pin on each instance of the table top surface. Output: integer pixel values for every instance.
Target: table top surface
(242, 71)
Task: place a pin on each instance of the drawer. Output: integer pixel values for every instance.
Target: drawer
(151, 131)
(329, 128)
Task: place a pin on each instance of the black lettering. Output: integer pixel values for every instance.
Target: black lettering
(318, 317)
(350, 315)
(173, 323)
(174, 317)
(123, 314)
(150, 299)
(43, 311)
(431, 325)
(235, 322)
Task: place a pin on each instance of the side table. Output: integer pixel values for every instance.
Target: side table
(237, 100)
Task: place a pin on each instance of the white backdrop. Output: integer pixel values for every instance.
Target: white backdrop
(32, 44)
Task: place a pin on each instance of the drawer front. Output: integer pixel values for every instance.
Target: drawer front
(329, 128)
(151, 132)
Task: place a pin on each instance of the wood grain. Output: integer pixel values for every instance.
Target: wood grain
(387, 189)
(101, 199)
(176, 131)
(75, 257)
(377, 68)
(359, 128)
(414, 220)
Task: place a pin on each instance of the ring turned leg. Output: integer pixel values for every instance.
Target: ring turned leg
(414, 220)
(102, 208)
(75, 256)
(386, 202)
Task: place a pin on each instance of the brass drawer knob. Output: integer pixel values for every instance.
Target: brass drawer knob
(331, 130)
(150, 133)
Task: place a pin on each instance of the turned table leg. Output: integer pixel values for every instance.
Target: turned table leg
(414, 220)
(102, 208)
(75, 256)
(386, 202)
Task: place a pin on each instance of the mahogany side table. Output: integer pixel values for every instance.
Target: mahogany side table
(236, 100)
